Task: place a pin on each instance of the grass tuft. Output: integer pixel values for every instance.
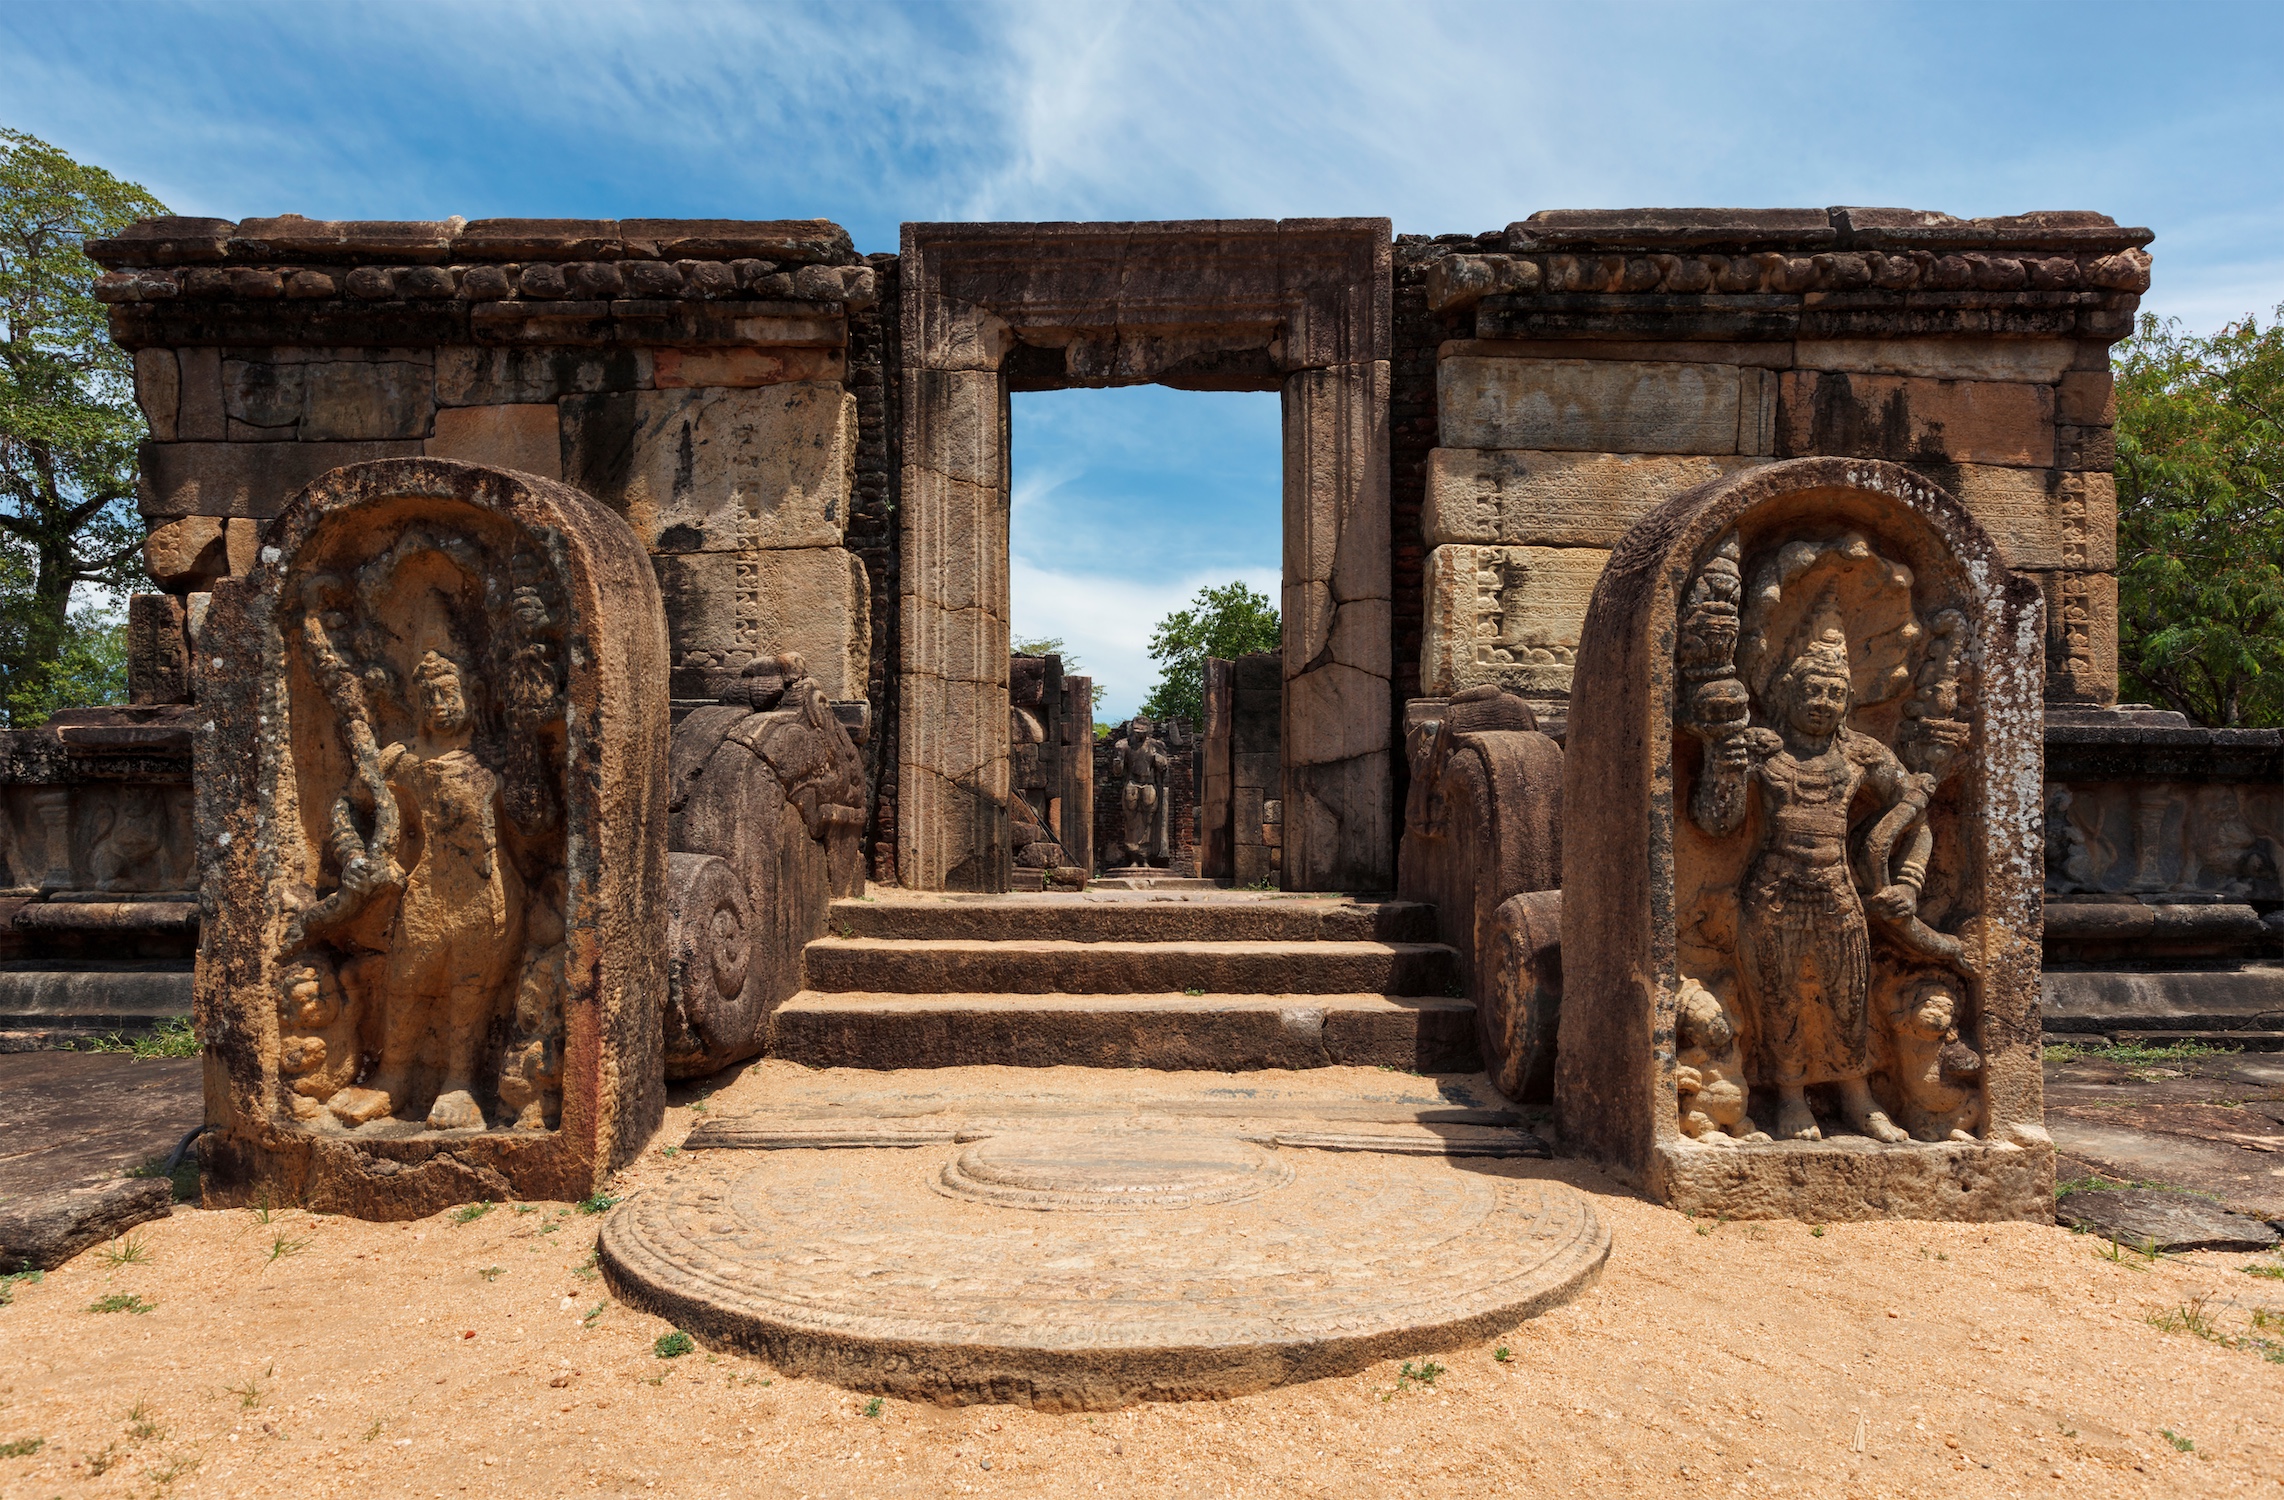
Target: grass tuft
(672, 1345)
(469, 1213)
(172, 1037)
(120, 1302)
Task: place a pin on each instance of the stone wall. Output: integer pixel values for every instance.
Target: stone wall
(1618, 358)
(719, 384)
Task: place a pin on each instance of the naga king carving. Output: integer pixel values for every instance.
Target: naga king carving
(1770, 677)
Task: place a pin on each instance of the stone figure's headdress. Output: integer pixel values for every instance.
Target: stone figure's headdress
(1819, 647)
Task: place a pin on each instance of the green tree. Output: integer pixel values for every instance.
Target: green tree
(2200, 487)
(1229, 621)
(69, 428)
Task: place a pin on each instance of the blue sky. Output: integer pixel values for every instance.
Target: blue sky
(1444, 117)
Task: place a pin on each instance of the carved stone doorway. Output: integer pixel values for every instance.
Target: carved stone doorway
(1299, 306)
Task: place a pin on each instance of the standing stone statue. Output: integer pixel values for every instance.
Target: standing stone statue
(1138, 765)
(1800, 933)
(435, 792)
(1804, 946)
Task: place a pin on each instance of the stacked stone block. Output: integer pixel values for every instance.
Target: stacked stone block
(694, 375)
(1621, 357)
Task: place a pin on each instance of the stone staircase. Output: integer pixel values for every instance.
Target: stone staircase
(1219, 980)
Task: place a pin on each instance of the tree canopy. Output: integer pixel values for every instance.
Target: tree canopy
(2200, 488)
(1229, 621)
(69, 428)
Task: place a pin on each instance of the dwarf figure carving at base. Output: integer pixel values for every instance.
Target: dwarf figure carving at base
(1710, 1076)
(1938, 1077)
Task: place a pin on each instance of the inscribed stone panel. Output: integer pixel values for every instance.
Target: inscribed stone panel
(1505, 615)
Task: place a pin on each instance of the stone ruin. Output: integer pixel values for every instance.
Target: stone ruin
(1508, 458)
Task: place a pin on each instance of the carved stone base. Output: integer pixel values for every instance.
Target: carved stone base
(1854, 1177)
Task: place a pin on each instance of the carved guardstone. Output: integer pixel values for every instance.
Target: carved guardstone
(1800, 906)
(432, 791)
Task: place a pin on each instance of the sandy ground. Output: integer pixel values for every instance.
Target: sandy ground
(308, 1355)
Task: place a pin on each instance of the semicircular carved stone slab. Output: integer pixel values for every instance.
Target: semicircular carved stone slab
(1801, 920)
(435, 782)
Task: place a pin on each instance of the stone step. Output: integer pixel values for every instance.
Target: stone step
(962, 966)
(1218, 1032)
(1096, 918)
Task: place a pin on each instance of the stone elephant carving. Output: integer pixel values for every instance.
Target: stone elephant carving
(767, 784)
(1483, 844)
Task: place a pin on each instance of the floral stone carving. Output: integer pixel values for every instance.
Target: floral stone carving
(1800, 919)
(435, 782)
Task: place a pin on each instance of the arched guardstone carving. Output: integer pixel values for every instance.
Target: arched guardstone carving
(1762, 653)
(432, 780)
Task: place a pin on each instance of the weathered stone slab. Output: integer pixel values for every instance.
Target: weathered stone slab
(40, 1231)
(158, 650)
(458, 993)
(468, 376)
(190, 553)
(725, 609)
(1761, 353)
(2043, 518)
(686, 369)
(527, 438)
(1767, 654)
(1914, 420)
(200, 417)
(244, 479)
(2033, 361)
(717, 470)
(329, 395)
(1601, 406)
(1555, 499)
(1509, 616)
(2170, 1222)
(158, 390)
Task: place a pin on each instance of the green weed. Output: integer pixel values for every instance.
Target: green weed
(586, 1268)
(1817, 1232)
(102, 1463)
(119, 1302)
(872, 1408)
(672, 1345)
(2135, 1054)
(527, 1208)
(373, 1431)
(2273, 1273)
(1502, 1354)
(171, 1038)
(593, 1313)
(1193, 992)
(22, 1447)
(14, 1279)
(281, 1246)
(491, 1273)
(469, 1213)
(247, 1394)
(140, 1427)
(2179, 1442)
(600, 1203)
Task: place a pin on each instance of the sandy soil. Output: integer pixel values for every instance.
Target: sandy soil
(310, 1355)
